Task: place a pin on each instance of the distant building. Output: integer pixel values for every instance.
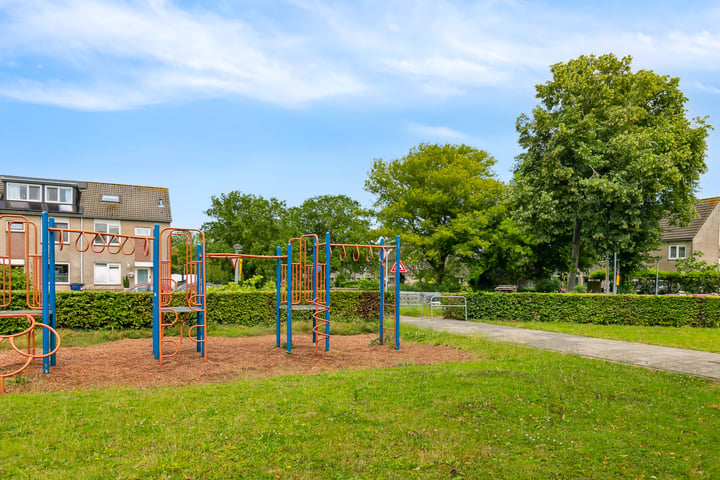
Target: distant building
(701, 235)
(92, 206)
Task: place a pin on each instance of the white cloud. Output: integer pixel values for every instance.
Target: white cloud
(102, 54)
(434, 132)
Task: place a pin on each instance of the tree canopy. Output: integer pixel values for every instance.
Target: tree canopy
(442, 199)
(607, 153)
(260, 225)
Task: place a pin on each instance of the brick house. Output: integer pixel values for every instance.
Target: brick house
(701, 235)
(91, 206)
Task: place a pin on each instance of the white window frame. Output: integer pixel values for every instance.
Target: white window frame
(68, 273)
(59, 189)
(66, 235)
(676, 249)
(143, 232)
(15, 226)
(102, 275)
(26, 186)
(103, 239)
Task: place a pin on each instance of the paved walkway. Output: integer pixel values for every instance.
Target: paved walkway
(689, 362)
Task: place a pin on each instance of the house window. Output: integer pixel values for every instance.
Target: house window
(111, 198)
(22, 192)
(64, 224)
(15, 226)
(677, 252)
(143, 231)
(107, 274)
(58, 194)
(107, 226)
(62, 273)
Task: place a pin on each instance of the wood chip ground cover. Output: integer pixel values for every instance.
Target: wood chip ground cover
(129, 363)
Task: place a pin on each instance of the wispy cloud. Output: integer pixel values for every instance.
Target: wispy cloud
(102, 54)
(436, 132)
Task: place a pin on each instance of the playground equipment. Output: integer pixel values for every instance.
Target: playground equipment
(302, 282)
(21, 245)
(22, 249)
(164, 286)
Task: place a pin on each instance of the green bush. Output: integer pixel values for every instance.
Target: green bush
(648, 310)
(98, 310)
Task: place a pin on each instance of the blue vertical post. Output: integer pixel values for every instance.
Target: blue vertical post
(51, 288)
(200, 291)
(382, 289)
(45, 294)
(288, 333)
(397, 292)
(314, 287)
(278, 294)
(328, 253)
(156, 292)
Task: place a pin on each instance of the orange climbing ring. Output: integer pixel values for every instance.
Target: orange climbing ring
(29, 352)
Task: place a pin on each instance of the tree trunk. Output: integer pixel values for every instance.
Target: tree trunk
(572, 280)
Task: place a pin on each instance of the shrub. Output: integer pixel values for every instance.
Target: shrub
(648, 310)
(98, 310)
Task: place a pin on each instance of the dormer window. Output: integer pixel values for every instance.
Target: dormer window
(111, 198)
(58, 194)
(161, 203)
(24, 192)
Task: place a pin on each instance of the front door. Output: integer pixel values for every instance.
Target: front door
(142, 275)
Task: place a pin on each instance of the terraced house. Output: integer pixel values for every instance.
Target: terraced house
(99, 207)
(701, 235)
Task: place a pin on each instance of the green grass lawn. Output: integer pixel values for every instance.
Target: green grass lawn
(514, 413)
(705, 339)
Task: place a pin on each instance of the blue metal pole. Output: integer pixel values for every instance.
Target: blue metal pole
(397, 292)
(51, 289)
(314, 286)
(382, 289)
(200, 291)
(45, 294)
(288, 333)
(278, 294)
(156, 292)
(328, 253)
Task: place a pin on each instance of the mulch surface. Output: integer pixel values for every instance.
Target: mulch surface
(129, 363)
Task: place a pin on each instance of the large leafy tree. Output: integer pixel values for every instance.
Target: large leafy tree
(345, 219)
(340, 215)
(444, 201)
(607, 153)
(256, 223)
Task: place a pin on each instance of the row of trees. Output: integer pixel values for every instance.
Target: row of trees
(260, 225)
(607, 153)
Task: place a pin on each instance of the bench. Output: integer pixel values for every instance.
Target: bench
(506, 288)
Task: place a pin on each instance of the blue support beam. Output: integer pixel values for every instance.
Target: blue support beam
(397, 292)
(45, 293)
(328, 253)
(156, 292)
(288, 332)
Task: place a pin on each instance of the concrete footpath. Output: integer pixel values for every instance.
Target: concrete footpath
(689, 362)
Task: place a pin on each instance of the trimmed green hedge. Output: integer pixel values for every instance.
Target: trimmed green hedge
(648, 310)
(99, 310)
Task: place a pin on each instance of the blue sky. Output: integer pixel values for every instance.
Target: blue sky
(293, 99)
